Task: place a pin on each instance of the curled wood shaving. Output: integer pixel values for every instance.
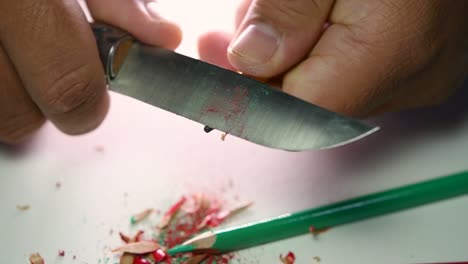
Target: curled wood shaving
(141, 216)
(223, 136)
(141, 247)
(216, 218)
(128, 239)
(170, 214)
(35, 258)
(124, 237)
(24, 207)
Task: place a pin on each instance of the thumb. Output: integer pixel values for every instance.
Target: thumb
(275, 35)
(140, 18)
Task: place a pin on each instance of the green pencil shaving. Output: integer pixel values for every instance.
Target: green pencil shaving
(321, 218)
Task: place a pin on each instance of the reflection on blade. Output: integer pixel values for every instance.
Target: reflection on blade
(231, 102)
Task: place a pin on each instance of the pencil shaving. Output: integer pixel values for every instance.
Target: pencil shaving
(195, 259)
(196, 202)
(217, 217)
(141, 247)
(35, 258)
(170, 214)
(141, 216)
(23, 208)
(290, 258)
(316, 231)
(223, 136)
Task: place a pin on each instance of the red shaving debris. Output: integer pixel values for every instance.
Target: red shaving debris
(316, 231)
(139, 260)
(290, 258)
(167, 217)
(61, 253)
(35, 258)
(159, 255)
(189, 216)
(217, 217)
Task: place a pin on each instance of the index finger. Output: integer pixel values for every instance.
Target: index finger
(53, 49)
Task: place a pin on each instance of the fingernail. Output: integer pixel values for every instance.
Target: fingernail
(256, 44)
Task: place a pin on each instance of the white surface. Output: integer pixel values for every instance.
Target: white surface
(154, 156)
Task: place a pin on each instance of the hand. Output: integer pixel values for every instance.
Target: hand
(49, 63)
(356, 57)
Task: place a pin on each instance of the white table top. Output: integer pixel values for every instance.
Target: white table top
(149, 157)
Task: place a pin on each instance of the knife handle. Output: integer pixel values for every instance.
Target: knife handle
(113, 46)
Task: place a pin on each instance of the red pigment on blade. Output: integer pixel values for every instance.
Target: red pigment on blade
(233, 110)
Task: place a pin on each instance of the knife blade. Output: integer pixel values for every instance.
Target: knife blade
(219, 98)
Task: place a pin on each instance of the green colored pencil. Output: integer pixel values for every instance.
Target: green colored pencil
(294, 224)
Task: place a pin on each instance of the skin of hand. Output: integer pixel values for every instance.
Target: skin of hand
(355, 57)
(49, 63)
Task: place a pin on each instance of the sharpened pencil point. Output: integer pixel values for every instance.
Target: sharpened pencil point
(180, 249)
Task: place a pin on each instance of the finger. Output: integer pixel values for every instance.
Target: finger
(212, 48)
(53, 49)
(19, 116)
(359, 64)
(140, 18)
(241, 11)
(342, 73)
(275, 35)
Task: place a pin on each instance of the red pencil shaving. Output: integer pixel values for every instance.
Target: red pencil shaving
(141, 216)
(184, 219)
(140, 260)
(215, 218)
(35, 258)
(170, 214)
(141, 247)
(61, 253)
(317, 232)
(290, 258)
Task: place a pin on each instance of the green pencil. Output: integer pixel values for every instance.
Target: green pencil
(294, 224)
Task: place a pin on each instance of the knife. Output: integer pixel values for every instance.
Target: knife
(218, 98)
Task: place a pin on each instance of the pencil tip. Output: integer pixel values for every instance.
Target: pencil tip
(180, 249)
